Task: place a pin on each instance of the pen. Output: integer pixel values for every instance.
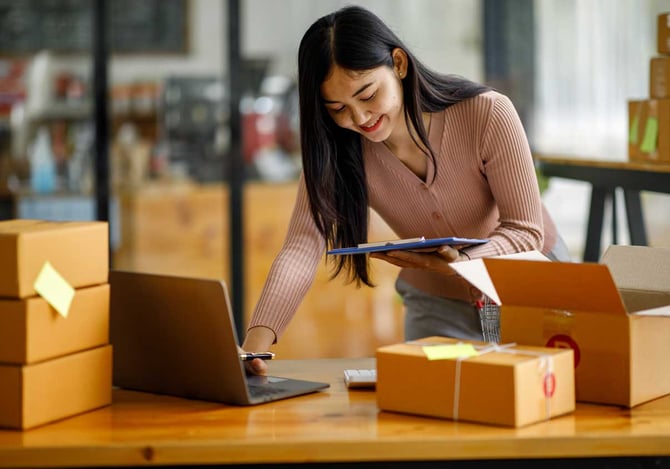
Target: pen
(245, 357)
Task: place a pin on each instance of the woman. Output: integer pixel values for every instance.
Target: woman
(435, 155)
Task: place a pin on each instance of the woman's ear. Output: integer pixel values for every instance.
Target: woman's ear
(399, 62)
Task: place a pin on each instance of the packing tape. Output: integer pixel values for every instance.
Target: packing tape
(546, 367)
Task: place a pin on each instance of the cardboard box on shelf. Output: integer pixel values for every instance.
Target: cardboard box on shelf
(79, 251)
(614, 314)
(659, 77)
(32, 331)
(506, 385)
(33, 395)
(649, 130)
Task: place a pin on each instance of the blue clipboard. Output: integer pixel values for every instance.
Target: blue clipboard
(401, 245)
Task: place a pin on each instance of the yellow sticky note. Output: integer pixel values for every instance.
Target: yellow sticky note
(54, 289)
(648, 144)
(444, 352)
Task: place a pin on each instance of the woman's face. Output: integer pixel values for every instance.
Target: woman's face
(368, 102)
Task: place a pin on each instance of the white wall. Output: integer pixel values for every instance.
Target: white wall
(444, 34)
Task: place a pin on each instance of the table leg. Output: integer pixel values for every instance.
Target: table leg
(595, 223)
(615, 218)
(636, 226)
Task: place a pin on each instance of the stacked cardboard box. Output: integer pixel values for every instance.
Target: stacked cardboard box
(53, 365)
(649, 119)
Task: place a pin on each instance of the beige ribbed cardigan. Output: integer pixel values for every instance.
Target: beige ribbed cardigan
(484, 186)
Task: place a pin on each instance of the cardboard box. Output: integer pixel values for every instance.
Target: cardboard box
(649, 130)
(36, 394)
(613, 314)
(79, 251)
(659, 77)
(513, 386)
(654, 141)
(635, 129)
(663, 33)
(31, 330)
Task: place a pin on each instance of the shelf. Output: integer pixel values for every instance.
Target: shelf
(64, 111)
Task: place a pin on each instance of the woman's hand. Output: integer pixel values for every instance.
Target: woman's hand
(256, 366)
(435, 260)
(258, 339)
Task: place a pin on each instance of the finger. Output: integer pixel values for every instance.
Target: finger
(428, 261)
(388, 256)
(398, 262)
(448, 253)
(402, 256)
(257, 366)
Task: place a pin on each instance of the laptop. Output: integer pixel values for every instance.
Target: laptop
(176, 335)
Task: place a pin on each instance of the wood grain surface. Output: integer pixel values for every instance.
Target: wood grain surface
(335, 425)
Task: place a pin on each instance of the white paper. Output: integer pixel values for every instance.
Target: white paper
(662, 311)
(475, 271)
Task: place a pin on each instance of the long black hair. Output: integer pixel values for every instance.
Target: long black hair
(355, 39)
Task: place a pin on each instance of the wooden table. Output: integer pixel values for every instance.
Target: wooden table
(335, 426)
(605, 177)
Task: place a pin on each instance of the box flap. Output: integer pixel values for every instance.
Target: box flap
(662, 311)
(638, 300)
(555, 285)
(475, 272)
(639, 267)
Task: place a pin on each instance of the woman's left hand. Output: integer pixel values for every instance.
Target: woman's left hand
(435, 260)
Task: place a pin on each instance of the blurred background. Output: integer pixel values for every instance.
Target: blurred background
(173, 125)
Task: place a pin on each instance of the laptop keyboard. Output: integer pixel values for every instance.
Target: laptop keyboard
(264, 391)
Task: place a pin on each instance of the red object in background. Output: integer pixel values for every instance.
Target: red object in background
(258, 131)
(267, 130)
(12, 89)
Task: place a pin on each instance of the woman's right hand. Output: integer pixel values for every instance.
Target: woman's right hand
(258, 339)
(256, 367)
(435, 260)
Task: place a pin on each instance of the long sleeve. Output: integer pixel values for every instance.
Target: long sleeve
(507, 164)
(293, 270)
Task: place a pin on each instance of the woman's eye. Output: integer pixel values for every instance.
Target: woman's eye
(335, 109)
(371, 97)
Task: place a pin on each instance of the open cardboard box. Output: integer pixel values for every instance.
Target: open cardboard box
(615, 315)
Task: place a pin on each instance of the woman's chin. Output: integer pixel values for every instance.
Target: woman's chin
(375, 137)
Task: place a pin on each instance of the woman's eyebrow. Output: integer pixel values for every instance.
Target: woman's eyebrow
(360, 90)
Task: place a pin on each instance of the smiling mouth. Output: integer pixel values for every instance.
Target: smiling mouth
(373, 127)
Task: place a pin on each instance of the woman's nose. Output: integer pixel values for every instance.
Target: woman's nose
(358, 116)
